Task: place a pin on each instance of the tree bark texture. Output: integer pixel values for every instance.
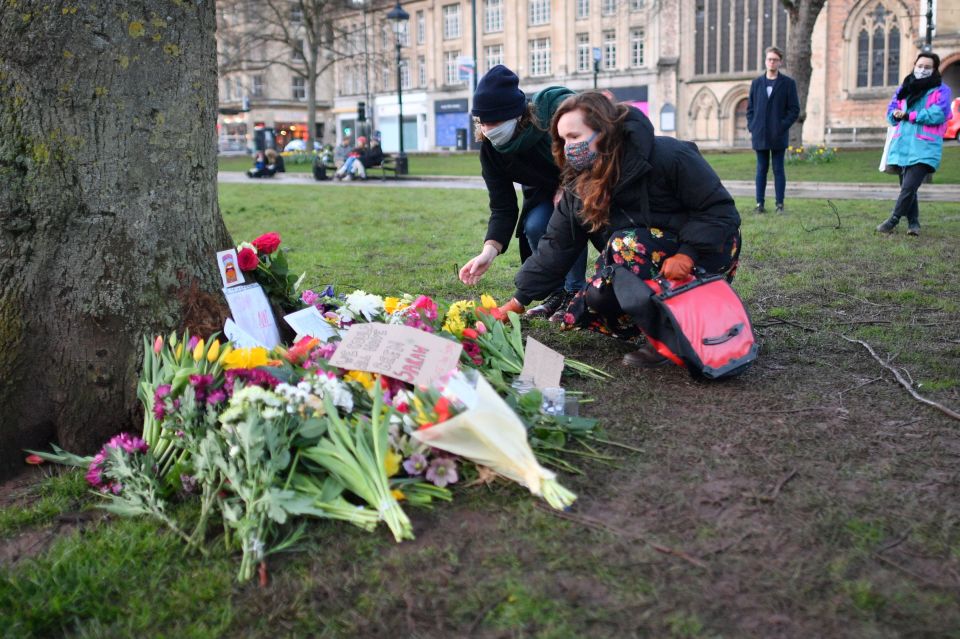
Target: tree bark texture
(803, 17)
(109, 221)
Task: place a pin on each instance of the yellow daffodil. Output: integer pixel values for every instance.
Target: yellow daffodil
(393, 304)
(487, 301)
(198, 351)
(363, 378)
(245, 358)
(392, 463)
(214, 351)
(398, 494)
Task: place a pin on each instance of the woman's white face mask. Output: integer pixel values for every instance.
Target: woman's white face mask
(920, 73)
(502, 133)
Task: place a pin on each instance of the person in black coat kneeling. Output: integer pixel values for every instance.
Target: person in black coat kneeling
(651, 205)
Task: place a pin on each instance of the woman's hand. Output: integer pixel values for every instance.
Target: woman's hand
(898, 114)
(473, 271)
(677, 268)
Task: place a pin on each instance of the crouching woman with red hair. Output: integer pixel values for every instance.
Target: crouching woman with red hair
(651, 205)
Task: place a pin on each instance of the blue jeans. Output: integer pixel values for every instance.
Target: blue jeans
(779, 177)
(534, 226)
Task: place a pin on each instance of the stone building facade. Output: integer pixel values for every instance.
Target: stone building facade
(687, 63)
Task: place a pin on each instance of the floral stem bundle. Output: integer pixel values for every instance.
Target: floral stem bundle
(355, 453)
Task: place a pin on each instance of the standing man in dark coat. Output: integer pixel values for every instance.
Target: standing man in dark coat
(772, 109)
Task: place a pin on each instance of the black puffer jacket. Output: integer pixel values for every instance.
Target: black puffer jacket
(527, 161)
(664, 183)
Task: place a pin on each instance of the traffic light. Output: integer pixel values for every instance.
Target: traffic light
(361, 111)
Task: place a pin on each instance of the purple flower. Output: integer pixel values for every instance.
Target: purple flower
(415, 465)
(95, 473)
(442, 471)
(309, 298)
(327, 292)
(216, 397)
(159, 407)
(201, 384)
(192, 344)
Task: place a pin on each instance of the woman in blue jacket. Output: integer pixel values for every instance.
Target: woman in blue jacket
(919, 109)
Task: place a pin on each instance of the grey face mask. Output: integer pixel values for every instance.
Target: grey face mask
(502, 133)
(920, 74)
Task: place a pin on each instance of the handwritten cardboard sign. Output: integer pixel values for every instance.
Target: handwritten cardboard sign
(541, 365)
(402, 352)
(251, 311)
(309, 321)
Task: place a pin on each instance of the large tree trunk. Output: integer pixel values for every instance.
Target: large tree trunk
(108, 207)
(803, 17)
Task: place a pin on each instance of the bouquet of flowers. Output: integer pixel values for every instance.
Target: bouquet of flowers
(266, 262)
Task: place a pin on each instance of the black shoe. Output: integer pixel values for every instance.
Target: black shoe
(886, 227)
(780, 207)
(914, 230)
(646, 357)
(561, 312)
(549, 306)
(759, 208)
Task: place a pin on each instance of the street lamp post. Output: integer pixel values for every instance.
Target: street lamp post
(928, 44)
(399, 18)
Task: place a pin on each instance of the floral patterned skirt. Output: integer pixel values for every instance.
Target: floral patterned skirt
(642, 252)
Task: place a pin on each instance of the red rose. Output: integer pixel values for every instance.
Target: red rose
(267, 243)
(247, 259)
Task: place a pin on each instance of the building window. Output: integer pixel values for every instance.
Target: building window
(298, 50)
(493, 16)
(583, 52)
(421, 72)
(878, 49)
(299, 88)
(637, 43)
(256, 86)
(493, 55)
(637, 5)
(451, 71)
(583, 9)
(731, 35)
(421, 27)
(405, 73)
(538, 12)
(610, 49)
(451, 21)
(296, 13)
(608, 7)
(539, 56)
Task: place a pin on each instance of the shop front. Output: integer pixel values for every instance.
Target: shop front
(452, 124)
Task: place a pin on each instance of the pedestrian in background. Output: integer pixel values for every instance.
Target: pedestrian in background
(772, 109)
(919, 110)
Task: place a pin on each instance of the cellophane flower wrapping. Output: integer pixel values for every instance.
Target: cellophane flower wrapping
(490, 434)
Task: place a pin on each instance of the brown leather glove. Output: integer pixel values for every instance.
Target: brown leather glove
(677, 268)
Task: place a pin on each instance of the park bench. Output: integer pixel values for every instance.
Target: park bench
(387, 165)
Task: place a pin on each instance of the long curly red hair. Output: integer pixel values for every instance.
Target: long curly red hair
(595, 185)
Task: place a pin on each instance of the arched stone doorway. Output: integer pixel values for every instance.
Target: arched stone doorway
(741, 135)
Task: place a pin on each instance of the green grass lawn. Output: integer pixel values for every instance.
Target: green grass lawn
(818, 496)
(851, 165)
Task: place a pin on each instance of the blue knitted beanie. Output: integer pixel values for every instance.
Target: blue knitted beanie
(498, 96)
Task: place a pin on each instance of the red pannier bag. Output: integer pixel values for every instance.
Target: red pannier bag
(711, 331)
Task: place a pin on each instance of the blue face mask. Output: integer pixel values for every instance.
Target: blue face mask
(579, 156)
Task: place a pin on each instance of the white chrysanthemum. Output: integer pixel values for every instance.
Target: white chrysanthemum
(361, 303)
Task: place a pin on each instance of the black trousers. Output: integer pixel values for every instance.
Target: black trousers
(911, 177)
